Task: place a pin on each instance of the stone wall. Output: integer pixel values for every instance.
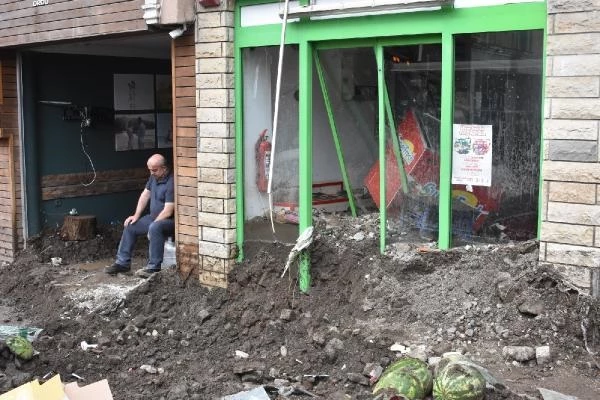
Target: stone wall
(570, 234)
(216, 137)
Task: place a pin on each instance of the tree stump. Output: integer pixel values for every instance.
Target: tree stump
(78, 227)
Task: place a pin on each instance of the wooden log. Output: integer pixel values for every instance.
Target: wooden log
(78, 227)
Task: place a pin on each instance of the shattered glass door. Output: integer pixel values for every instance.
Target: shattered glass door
(413, 111)
(496, 136)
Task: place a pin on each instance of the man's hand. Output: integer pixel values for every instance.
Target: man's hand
(132, 219)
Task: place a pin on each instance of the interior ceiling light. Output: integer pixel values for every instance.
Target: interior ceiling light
(363, 6)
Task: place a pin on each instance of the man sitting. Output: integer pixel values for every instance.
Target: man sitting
(158, 225)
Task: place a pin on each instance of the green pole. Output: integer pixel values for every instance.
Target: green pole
(445, 199)
(239, 154)
(334, 133)
(381, 129)
(395, 141)
(305, 157)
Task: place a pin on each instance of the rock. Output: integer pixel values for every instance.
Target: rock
(519, 353)
(420, 352)
(203, 315)
(286, 314)
(149, 369)
(104, 341)
(139, 321)
(359, 236)
(332, 348)
(249, 318)
(358, 378)
(532, 307)
(318, 338)
(552, 395)
(542, 355)
(505, 290)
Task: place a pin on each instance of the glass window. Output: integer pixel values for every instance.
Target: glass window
(259, 80)
(496, 136)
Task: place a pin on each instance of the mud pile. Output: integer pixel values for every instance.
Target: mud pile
(169, 339)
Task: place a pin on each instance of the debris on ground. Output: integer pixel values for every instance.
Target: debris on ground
(164, 340)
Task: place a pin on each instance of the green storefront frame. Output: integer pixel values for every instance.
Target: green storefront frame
(377, 31)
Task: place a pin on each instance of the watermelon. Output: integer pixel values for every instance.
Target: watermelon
(399, 383)
(20, 346)
(400, 378)
(456, 381)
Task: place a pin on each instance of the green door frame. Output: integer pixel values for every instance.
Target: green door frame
(374, 31)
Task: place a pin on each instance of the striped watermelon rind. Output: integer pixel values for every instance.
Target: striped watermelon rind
(400, 383)
(457, 381)
(20, 346)
(407, 368)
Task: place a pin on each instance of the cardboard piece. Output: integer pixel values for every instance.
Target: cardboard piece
(54, 389)
(94, 391)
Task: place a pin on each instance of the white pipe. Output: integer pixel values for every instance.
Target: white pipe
(276, 114)
(361, 6)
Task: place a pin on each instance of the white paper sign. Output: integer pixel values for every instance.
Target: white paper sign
(472, 155)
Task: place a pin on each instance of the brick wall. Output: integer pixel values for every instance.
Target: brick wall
(216, 135)
(11, 232)
(570, 235)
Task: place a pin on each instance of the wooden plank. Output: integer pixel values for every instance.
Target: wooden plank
(188, 201)
(191, 181)
(186, 122)
(98, 188)
(190, 152)
(187, 210)
(188, 229)
(189, 101)
(185, 91)
(188, 162)
(101, 176)
(185, 71)
(187, 142)
(187, 171)
(185, 81)
(188, 191)
(189, 132)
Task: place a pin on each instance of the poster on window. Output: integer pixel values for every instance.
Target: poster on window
(472, 155)
(133, 92)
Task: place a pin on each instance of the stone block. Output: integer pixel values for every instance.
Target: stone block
(220, 34)
(214, 160)
(229, 175)
(573, 150)
(545, 191)
(576, 65)
(209, 50)
(213, 98)
(576, 108)
(214, 130)
(229, 145)
(208, 115)
(542, 355)
(567, 234)
(557, 6)
(571, 172)
(227, 19)
(585, 21)
(570, 192)
(581, 214)
(210, 205)
(576, 275)
(213, 279)
(570, 129)
(597, 236)
(570, 86)
(209, 81)
(227, 49)
(219, 250)
(211, 175)
(216, 220)
(210, 145)
(580, 256)
(209, 19)
(576, 43)
(230, 206)
(219, 65)
(218, 190)
(210, 234)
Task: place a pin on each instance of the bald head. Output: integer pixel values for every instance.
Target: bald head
(157, 166)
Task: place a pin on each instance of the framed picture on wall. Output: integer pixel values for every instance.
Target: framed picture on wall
(135, 132)
(164, 130)
(164, 94)
(133, 92)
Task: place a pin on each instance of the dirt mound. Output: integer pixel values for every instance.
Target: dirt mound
(172, 340)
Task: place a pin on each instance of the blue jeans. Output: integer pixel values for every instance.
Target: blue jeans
(157, 231)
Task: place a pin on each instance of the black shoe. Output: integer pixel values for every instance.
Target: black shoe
(116, 268)
(146, 272)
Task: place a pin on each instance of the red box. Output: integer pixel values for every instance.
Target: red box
(421, 163)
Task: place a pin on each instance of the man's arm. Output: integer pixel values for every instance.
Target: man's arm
(139, 209)
(167, 212)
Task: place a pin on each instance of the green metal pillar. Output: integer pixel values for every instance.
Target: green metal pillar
(381, 130)
(239, 154)
(447, 118)
(305, 157)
